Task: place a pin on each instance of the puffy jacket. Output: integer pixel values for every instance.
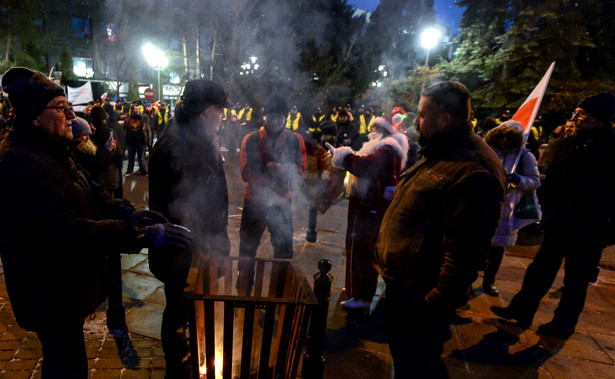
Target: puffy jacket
(437, 231)
(527, 169)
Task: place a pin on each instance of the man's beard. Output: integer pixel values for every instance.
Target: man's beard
(87, 147)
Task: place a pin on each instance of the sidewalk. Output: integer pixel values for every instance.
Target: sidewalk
(356, 347)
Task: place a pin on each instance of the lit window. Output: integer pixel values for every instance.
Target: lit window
(81, 27)
(82, 67)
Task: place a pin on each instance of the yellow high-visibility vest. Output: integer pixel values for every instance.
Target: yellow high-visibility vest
(293, 124)
(364, 127)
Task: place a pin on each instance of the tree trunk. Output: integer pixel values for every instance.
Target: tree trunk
(185, 44)
(198, 54)
(8, 46)
(213, 55)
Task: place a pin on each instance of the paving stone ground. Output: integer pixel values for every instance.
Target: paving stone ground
(481, 346)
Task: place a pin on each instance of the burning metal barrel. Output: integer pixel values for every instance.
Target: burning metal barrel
(249, 318)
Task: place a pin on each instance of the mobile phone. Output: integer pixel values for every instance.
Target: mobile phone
(111, 134)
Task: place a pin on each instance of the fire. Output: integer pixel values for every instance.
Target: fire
(217, 365)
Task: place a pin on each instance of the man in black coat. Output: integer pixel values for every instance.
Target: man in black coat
(188, 185)
(578, 219)
(57, 226)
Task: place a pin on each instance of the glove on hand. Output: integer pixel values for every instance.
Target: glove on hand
(146, 217)
(166, 236)
(513, 178)
(388, 193)
(330, 148)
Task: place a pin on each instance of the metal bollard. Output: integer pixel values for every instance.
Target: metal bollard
(311, 231)
(313, 358)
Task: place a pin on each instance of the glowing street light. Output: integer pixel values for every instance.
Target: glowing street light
(155, 58)
(429, 39)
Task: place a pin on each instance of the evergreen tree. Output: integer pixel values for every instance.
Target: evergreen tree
(21, 23)
(66, 66)
(394, 31)
(505, 49)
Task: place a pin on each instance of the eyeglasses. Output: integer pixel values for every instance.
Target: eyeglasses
(67, 109)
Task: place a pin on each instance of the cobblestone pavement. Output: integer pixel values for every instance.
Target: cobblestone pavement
(481, 346)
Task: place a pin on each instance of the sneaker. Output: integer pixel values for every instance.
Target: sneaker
(552, 329)
(506, 313)
(355, 304)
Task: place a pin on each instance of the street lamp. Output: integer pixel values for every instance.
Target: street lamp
(429, 39)
(155, 58)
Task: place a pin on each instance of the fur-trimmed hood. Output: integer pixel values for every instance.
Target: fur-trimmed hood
(511, 128)
(397, 141)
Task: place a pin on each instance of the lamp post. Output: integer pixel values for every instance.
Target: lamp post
(429, 39)
(155, 58)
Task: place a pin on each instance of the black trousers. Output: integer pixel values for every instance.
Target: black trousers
(416, 334)
(174, 345)
(496, 254)
(64, 353)
(580, 256)
(255, 218)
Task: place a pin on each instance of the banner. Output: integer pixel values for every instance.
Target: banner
(80, 95)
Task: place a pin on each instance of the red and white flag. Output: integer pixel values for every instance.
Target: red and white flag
(526, 114)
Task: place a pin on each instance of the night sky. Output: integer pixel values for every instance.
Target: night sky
(447, 13)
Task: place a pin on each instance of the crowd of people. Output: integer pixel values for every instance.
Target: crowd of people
(431, 205)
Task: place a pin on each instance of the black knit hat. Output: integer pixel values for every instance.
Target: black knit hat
(276, 104)
(601, 106)
(29, 91)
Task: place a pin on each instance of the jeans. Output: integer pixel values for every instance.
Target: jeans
(137, 148)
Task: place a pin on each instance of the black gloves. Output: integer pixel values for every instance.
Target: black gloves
(513, 178)
(146, 217)
(165, 236)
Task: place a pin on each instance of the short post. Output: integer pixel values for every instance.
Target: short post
(311, 231)
(313, 358)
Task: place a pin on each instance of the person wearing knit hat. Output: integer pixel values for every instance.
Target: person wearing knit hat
(271, 160)
(347, 131)
(53, 232)
(373, 169)
(187, 184)
(578, 219)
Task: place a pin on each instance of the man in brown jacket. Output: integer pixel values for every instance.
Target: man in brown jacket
(436, 233)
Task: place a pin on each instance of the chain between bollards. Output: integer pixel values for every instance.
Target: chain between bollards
(314, 358)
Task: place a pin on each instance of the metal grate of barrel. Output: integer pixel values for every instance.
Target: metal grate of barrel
(249, 318)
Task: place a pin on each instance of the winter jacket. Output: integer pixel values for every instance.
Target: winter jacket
(527, 169)
(348, 135)
(437, 231)
(138, 130)
(188, 185)
(373, 168)
(55, 228)
(577, 192)
(266, 184)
